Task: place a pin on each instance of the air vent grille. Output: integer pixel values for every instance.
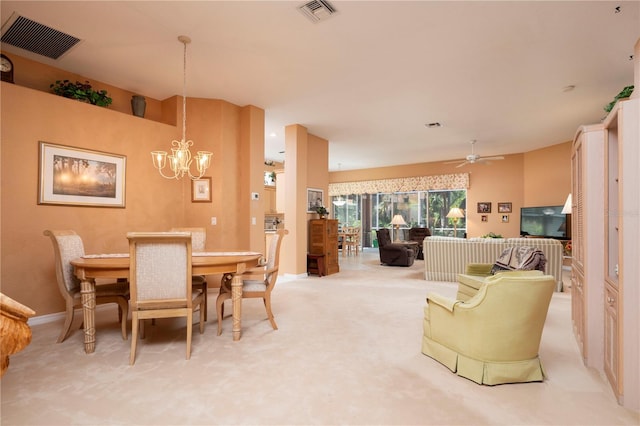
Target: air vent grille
(317, 10)
(37, 38)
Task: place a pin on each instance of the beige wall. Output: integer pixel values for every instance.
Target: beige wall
(152, 202)
(541, 177)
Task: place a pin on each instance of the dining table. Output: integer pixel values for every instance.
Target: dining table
(90, 267)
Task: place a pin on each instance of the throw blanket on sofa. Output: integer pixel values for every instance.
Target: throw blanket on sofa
(520, 258)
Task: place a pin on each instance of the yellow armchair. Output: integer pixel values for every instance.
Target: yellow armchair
(494, 337)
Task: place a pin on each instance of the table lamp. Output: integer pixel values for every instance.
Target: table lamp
(396, 222)
(455, 213)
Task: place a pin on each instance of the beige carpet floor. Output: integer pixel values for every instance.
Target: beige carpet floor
(347, 352)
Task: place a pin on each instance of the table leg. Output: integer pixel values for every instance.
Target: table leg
(88, 294)
(236, 301)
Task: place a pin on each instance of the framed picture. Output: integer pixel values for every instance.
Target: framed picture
(504, 207)
(505, 218)
(80, 177)
(201, 190)
(484, 207)
(315, 198)
(485, 218)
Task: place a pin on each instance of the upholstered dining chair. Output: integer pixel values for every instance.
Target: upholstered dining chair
(160, 278)
(352, 240)
(198, 242)
(67, 245)
(257, 282)
(494, 337)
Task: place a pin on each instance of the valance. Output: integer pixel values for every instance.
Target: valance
(407, 184)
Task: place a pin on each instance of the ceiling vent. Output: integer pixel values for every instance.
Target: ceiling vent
(317, 10)
(37, 38)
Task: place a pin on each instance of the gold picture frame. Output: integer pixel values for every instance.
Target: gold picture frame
(201, 190)
(75, 176)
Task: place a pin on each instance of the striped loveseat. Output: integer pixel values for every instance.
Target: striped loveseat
(446, 257)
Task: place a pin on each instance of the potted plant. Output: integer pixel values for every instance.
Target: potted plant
(81, 91)
(322, 211)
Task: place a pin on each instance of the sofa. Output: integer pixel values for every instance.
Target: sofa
(447, 257)
(394, 254)
(418, 235)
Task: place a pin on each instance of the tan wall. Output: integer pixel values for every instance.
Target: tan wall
(547, 175)
(152, 202)
(540, 177)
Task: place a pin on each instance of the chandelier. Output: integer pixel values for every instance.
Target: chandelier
(181, 158)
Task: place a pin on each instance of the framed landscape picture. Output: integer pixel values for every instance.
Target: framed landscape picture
(80, 177)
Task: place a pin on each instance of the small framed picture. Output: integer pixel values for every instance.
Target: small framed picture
(505, 218)
(485, 218)
(315, 199)
(201, 190)
(504, 207)
(484, 207)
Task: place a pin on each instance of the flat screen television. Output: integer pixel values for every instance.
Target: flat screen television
(545, 221)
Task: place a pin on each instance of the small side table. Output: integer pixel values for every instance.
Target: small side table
(315, 264)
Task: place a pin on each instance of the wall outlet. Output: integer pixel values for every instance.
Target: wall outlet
(253, 220)
(214, 221)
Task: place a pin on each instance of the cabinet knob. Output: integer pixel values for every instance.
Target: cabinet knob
(610, 300)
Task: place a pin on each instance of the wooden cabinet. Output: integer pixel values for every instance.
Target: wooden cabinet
(621, 248)
(323, 240)
(587, 235)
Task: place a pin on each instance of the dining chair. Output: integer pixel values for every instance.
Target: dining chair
(160, 277)
(257, 282)
(198, 242)
(67, 245)
(352, 240)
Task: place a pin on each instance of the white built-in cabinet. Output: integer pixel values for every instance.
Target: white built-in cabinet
(587, 234)
(606, 248)
(622, 252)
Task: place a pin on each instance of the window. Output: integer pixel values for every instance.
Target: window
(420, 209)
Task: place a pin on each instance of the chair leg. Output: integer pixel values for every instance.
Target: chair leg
(66, 328)
(205, 304)
(203, 318)
(134, 336)
(267, 305)
(123, 315)
(220, 312)
(189, 330)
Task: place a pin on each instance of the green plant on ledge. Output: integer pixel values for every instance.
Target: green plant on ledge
(81, 91)
(624, 93)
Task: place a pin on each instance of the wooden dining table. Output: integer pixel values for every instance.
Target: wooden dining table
(91, 267)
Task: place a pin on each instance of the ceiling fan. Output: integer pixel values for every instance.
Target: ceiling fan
(474, 158)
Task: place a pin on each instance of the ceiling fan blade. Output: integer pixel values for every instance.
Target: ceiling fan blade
(497, 157)
(454, 161)
(462, 164)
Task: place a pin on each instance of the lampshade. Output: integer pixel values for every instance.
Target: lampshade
(567, 205)
(455, 212)
(398, 220)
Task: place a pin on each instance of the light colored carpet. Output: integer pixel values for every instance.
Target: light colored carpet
(347, 352)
